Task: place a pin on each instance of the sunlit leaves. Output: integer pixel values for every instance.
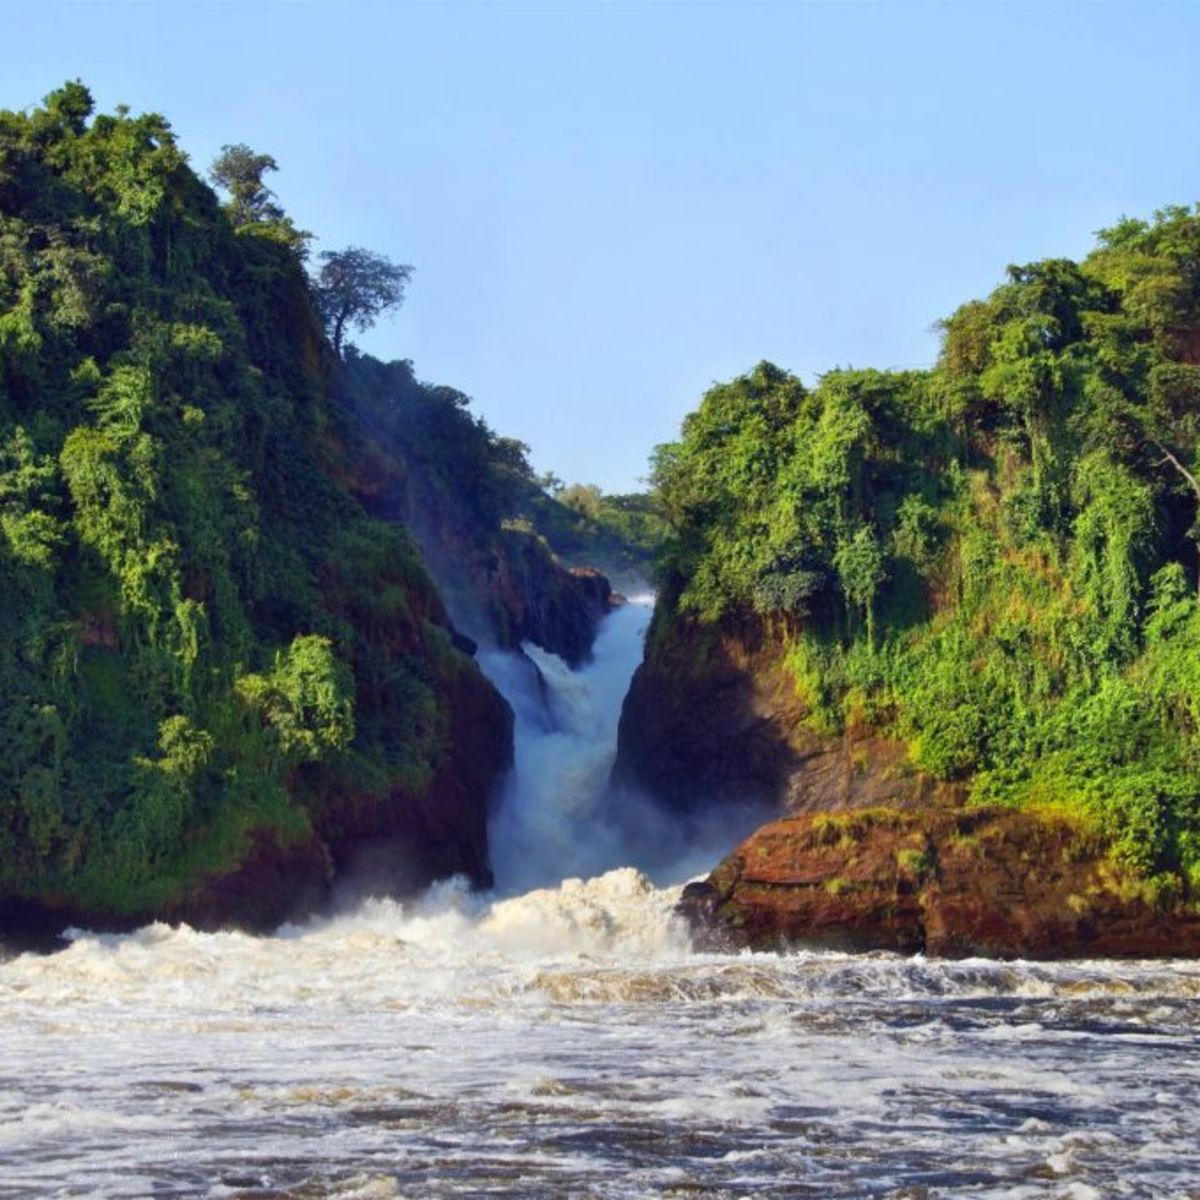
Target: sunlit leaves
(306, 701)
(1011, 539)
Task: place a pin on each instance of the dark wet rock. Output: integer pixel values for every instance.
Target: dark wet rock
(535, 598)
(273, 882)
(713, 719)
(698, 907)
(698, 902)
(462, 642)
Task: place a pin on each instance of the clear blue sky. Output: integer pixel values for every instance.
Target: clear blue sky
(610, 206)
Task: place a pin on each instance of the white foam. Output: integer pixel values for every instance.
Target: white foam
(562, 1040)
(551, 822)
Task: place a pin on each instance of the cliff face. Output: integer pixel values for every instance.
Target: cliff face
(974, 587)
(535, 598)
(502, 586)
(713, 718)
(431, 824)
(945, 881)
(868, 853)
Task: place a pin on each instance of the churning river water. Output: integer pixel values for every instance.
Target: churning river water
(561, 1040)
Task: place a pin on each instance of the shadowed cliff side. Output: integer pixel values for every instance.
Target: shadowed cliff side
(713, 718)
(417, 455)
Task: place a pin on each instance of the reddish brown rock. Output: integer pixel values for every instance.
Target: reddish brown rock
(947, 881)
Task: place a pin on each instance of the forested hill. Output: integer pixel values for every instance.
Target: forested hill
(977, 581)
(221, 676)
(426, 457)
(490, 531)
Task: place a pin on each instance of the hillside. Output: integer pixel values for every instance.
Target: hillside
(228, 676)
(970, 585)
(420, 457)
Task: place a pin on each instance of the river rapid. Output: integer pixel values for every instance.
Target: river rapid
(559, 1038)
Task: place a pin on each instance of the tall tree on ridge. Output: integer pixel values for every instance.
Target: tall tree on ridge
(239, 171)
(354, 287)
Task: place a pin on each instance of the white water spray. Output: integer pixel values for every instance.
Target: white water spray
(559, 818)
(566, 1042)
(551, 823)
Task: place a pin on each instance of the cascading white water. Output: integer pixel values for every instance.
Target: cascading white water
(564, 1041)
(558, 817)
(550, 823)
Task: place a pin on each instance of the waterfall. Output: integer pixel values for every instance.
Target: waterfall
(555, 819)
(559, 817)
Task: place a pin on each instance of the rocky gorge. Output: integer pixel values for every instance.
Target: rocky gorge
(938, 629)
(859, 849)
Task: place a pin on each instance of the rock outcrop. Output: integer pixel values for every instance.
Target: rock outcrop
(415, 834)
(533, 597)
(867, 853)
(947, 881)
(713, 719)
(500, 588)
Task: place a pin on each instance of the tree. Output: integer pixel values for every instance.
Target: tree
(72, 103)
(355, 287)
(860, 568)
(585, 498)
(239, 171)
(1172, 425)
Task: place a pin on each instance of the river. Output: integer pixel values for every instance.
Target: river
(559, 1038)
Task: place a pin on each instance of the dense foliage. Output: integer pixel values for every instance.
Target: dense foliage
(619, 533)
(428, 452)
(995, 560)
(203, 637)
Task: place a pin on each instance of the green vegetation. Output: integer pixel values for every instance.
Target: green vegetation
(618, 533)
(354, 287)
(995, 560)
(427, 453)
(204, 639)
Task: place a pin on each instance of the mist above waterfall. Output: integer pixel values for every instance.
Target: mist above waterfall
(558, 816)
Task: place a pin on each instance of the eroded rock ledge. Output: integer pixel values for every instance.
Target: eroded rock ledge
(952, 882)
